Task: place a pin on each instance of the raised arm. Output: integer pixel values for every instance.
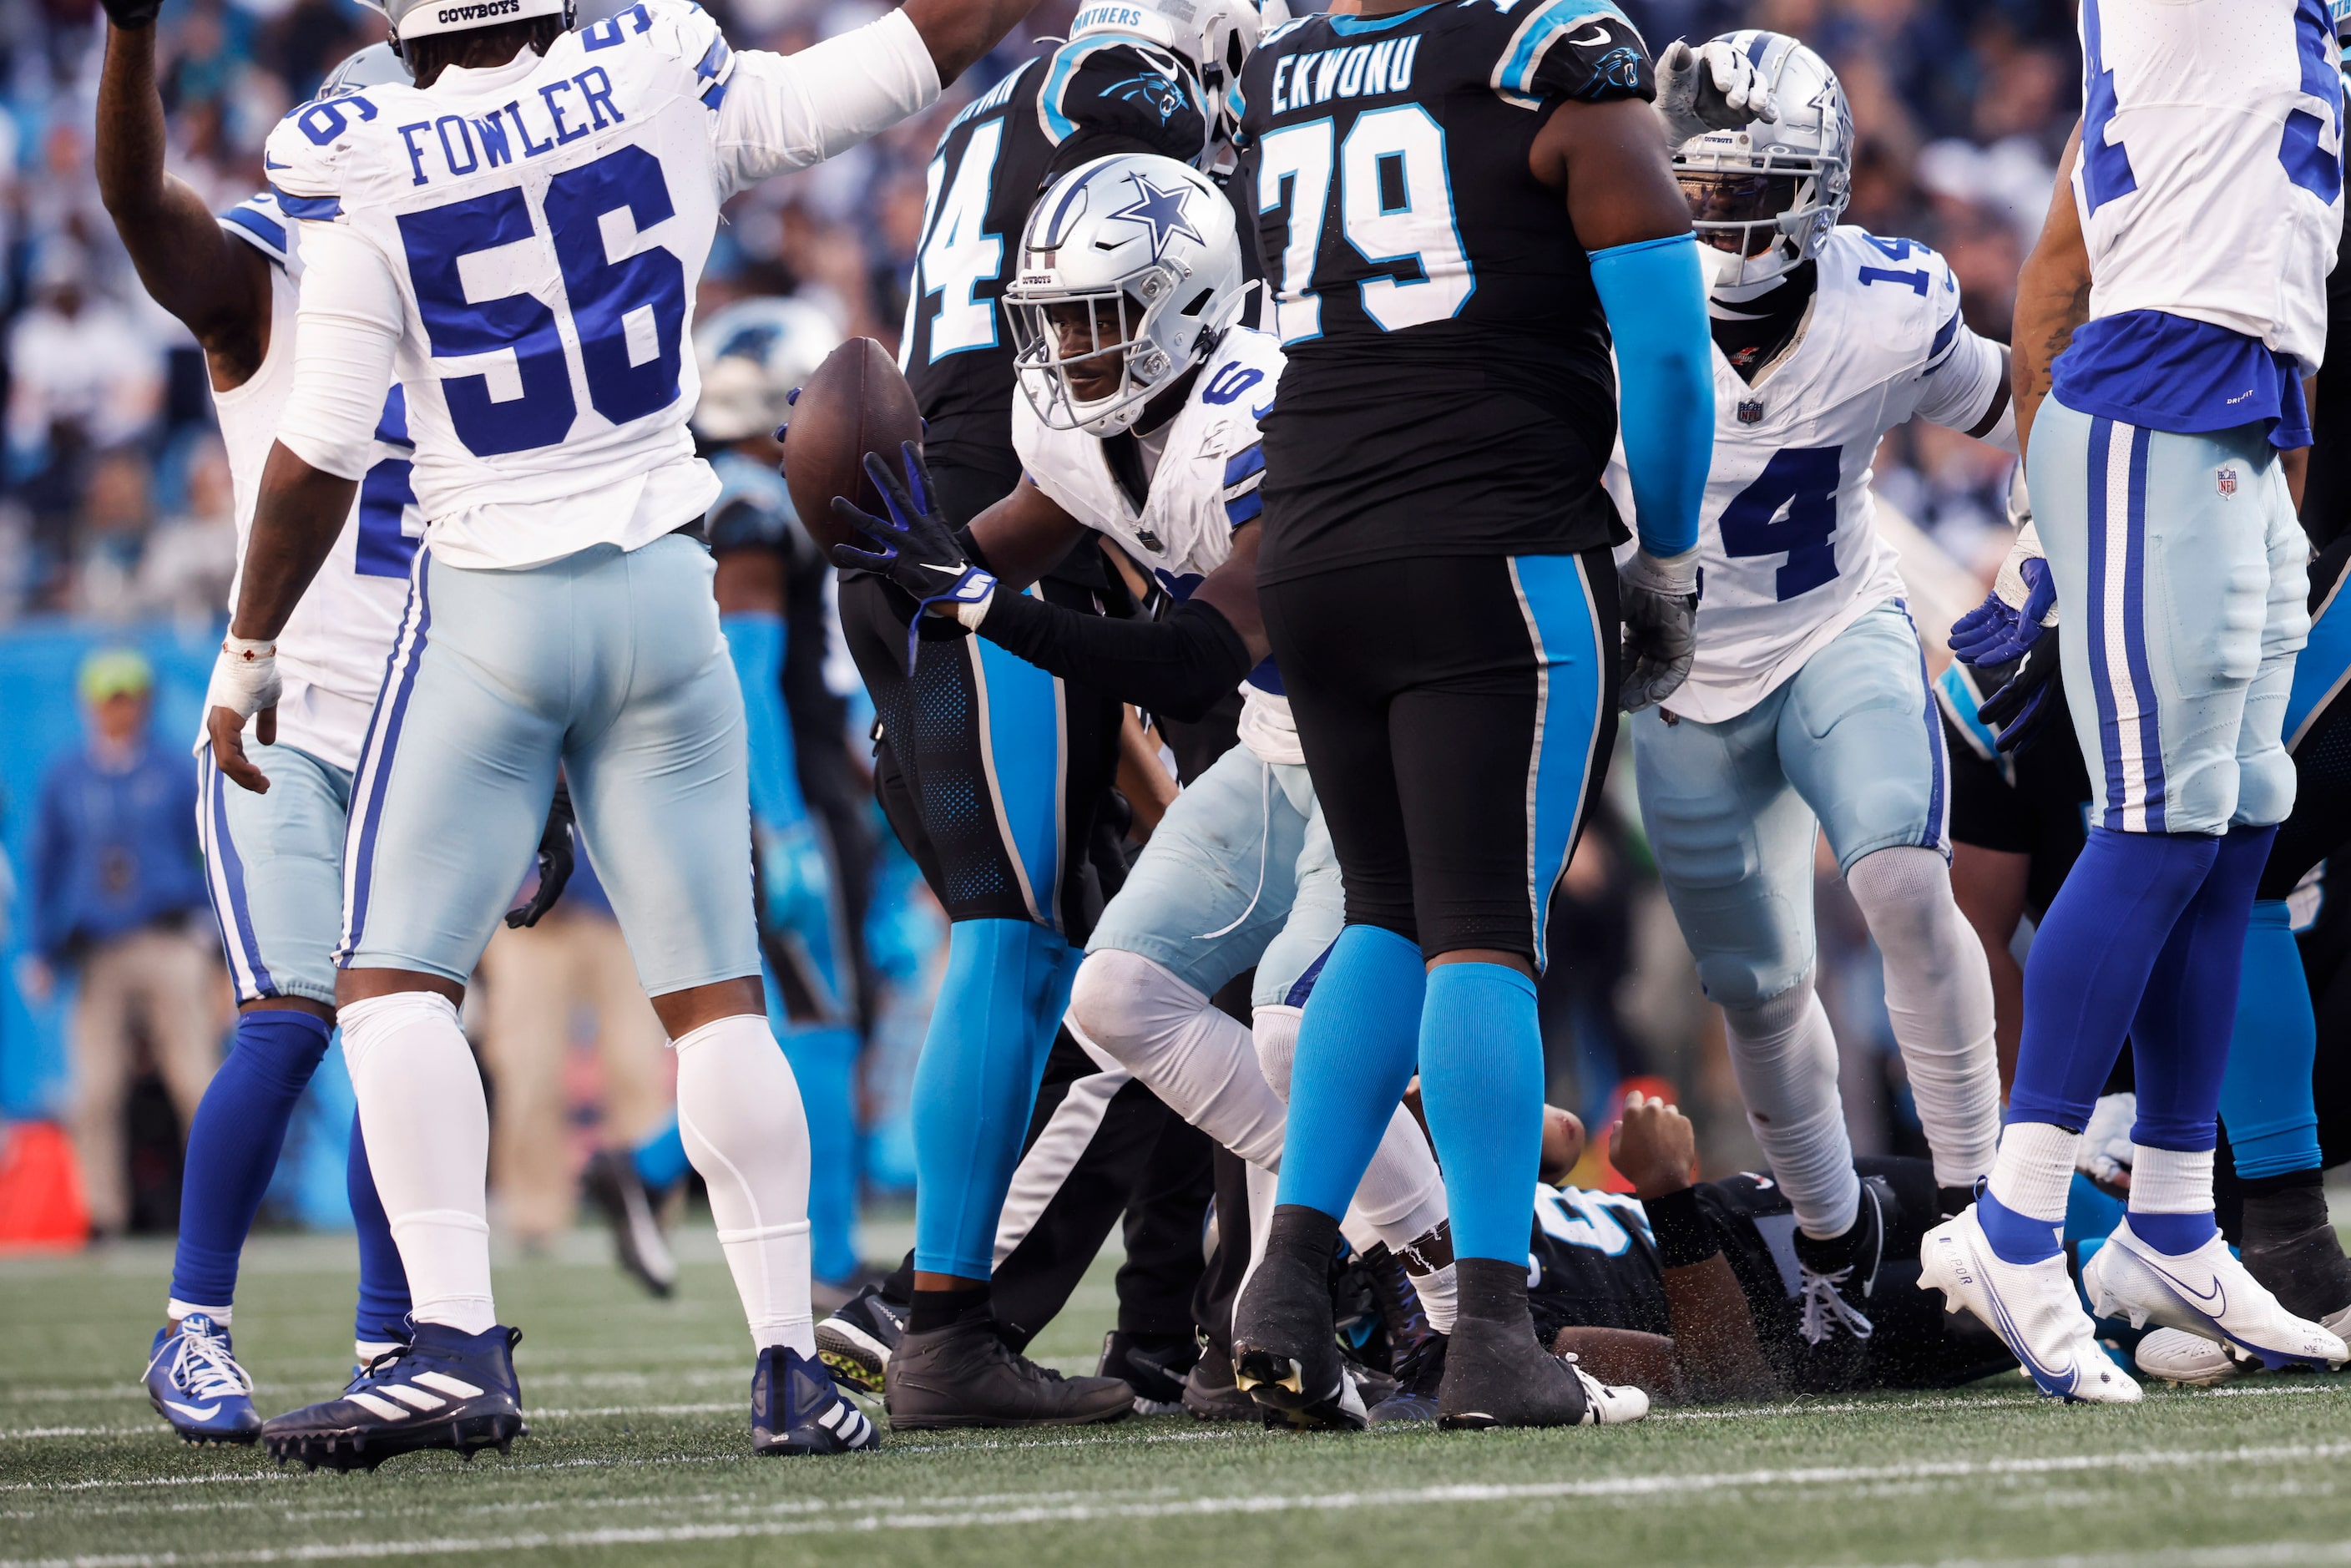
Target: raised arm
(218, 286)
(2053, 296)
(957, 32)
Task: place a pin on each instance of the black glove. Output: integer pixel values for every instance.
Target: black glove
(919, 551)
(2018, 709)
(131, 15)
(554, 862)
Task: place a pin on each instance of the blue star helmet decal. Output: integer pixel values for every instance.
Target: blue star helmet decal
(1162, 211)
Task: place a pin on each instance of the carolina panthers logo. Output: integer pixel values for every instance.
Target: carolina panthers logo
(1619, 67)
(1160, 211)
(1153, 91)
(751, 342)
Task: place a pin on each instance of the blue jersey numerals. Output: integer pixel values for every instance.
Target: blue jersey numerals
(1897, 250)
(385, 495)
(1790, 507)
(630, 315)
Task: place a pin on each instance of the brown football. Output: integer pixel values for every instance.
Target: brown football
(856, 402)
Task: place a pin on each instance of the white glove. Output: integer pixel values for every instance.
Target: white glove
(2104, 1152)
(245, 677)
(1656, 598)
(1711, 88)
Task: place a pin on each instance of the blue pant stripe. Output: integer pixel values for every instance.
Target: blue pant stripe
(1937, 795)
(1570, 660)
(1023, 737)
(2102, 677)
(1303, 987)
(254, 982)
(376, 756)
(2149, 738)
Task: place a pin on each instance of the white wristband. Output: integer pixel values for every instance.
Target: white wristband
(245, 677)
(971, 612)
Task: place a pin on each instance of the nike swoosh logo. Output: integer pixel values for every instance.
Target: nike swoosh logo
(1599, 35)
(269, 162)
(942, 570)
(2213, 1304)
(192, 1412)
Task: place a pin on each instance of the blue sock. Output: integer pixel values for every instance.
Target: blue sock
(2265, 1095)
(1481, 1087)
(2090, 963)
(2180, 1035)
(234, 1141)
(2174, 1233)
(384, 1304)
(1005, 987)
(2015, 1238)
(661, 1159)
(1356, 1047)
(824, 1061)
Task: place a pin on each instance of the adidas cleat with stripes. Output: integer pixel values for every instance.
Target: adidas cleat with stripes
(446, 1389)
(2207, 1293)
(796, 1408)
(2031, 1306)
(195, 1383)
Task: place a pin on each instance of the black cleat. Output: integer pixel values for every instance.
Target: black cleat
(965, 1375)
(1153, 1366)
(1209, 1394)
(1285, 1353)
(1497, 1374)
(1834, 1280)
(1420, 1372)
(796, 1409)
(610, 1182)
(2292, 1250)
(444, 1390)
(856, 1342)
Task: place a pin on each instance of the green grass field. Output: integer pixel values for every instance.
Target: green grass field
(639, 1457)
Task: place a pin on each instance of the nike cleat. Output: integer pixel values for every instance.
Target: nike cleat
(446, 1390)
(797, 1409)
(1285, 1349)
(610, 1182)
(1153, 1366)
(1495, 1374)
(195, 1383)
(965, 1375)
(2206, 1292)
(855, 1342)
(2031, 1306)
(1834, 1278)
(2175, 1356)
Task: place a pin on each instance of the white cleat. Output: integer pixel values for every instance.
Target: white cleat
(1610, 1403)
(2031, 1306)
(2206, 1293)
(2175, 1356)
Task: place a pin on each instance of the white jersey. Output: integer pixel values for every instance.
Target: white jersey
(1788, 548)
(540, 229)
(2210, 180)
(1205, 488)
(332, 650)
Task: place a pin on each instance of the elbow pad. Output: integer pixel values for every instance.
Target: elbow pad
(1656, 301)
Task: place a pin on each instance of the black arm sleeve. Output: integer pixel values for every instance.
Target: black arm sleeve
(1180, 667)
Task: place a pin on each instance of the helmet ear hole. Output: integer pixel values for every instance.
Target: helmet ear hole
(1199, 302)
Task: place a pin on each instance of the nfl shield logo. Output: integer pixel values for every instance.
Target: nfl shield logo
(1749, 413)
(2228, 481)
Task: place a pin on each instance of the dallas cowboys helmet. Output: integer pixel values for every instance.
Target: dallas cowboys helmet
(420, 19)
(1131, 265)
(1215, 37)
(375, 66)
(753, 354)
(1764, 197)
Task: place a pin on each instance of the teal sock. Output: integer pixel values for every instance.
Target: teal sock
(1481, 1087)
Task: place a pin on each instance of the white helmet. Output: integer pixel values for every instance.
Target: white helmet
(375, 66)
(420, 18)
(753, 354)
(1215, 37)
(1768, 194)
(1136, 247)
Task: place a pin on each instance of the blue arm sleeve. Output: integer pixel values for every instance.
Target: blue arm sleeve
(1655, 301)
(756, 644)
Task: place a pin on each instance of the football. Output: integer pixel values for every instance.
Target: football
(856, 402)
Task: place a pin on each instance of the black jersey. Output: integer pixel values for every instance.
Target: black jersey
(2326, 493)
(1448, 389)
(1096, 95)
(2033, 802)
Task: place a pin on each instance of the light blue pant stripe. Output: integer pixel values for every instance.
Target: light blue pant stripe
(227, 879)
(1571, 659)
(1024, 734)
(1939, 794)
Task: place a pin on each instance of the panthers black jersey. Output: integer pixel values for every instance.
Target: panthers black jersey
(1096, 95)
(1449, 389)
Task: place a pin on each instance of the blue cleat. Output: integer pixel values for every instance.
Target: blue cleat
(446, 1390)
(796, 1408)
(195, 1383)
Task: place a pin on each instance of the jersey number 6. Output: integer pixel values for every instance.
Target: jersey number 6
(629, 315)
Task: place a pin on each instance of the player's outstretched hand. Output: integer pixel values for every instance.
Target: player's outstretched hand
(1659, 601)
(2019, 710)
(919, 552)
(245, 683)
(1710, 87)
(1655, 1148)
(555, 862)
(2023, 604)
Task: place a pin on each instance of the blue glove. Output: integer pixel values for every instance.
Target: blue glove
(919, 552)
(2012, 618)
(2020, 709)
(795, 881)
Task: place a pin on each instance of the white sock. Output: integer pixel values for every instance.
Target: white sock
(1939, 998)
(1401, 1199)
(428, 1139)
(176, 1309)
(1186, 1050)
(2034, 1171)
(738, 1108)
(367, 1350)
(2166, 1181)
(1785, 1058)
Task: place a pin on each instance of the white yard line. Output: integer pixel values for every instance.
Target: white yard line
(868, 1514)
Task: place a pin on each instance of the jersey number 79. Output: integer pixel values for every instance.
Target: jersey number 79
(629, 315)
